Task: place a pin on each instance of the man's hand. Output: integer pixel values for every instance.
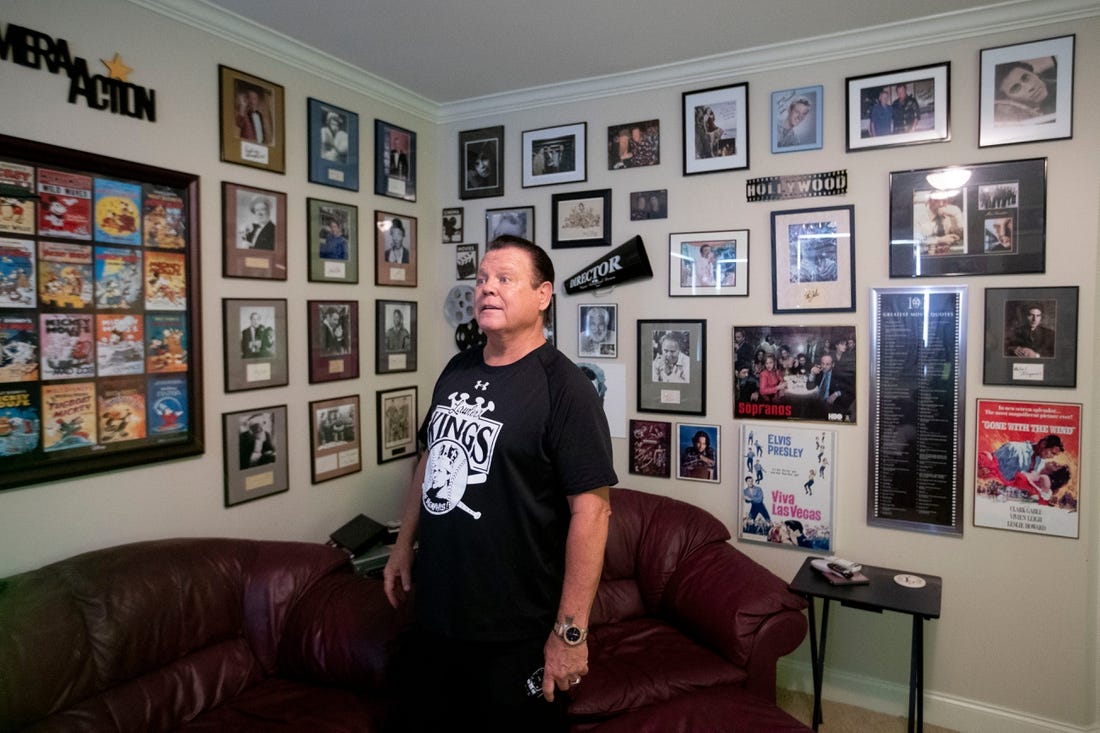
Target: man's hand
(565, 665)
(397, 575)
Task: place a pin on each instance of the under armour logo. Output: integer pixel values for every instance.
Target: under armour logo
(481, 385)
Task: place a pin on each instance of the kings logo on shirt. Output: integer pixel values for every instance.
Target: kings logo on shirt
(461, 442)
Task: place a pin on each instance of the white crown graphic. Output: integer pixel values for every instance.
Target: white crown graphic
(460, 406)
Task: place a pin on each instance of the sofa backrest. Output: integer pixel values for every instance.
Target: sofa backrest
(648, 537)
(183, 622)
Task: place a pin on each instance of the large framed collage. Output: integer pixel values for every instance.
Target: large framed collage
(99, 291)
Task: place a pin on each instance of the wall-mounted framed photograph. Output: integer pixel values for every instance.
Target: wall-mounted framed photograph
(252, 120)
(649, 204)
(395, 249)
(903, 107)
(333, 340)
(797, 119)
(395, 331)
(394, 161)
(335, 438)
(466, 262)
(1031, 337)
(253, 232)
(453, 225)
(708, 263)
(333, 145)
(549, 324)
(598, 335)
(555, 155)
(332, 231)
(580, 219)
(634, 145)
(481, 163)
(255, 343)
(519, 221)
(1026, 92)
(813, 260)
(716, 129)
(984, 219)
(672, 359)
(397, 415)
(698, 452)
(255, 452)
(650, 449)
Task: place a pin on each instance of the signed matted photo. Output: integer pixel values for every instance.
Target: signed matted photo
(397, 414)
(253, 129)
(1031, 337)
(255, 343)
(332, 231)
(333, 145)
(333, 340)
(395, 249)
(255, 454)
(335, 438)
(254, 232)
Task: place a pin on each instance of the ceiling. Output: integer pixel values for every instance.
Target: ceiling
(466, 49)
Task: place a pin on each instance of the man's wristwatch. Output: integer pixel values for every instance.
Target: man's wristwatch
(570, 634)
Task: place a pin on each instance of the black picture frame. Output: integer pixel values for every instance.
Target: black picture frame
(993, 219)
(919, 99)
(684, 389)
(1020, 355)
(580, 219)
(258, 359)
(714, 263)
(553, 155)
(394, 161)
(334, 256)
(1005, 118)
(395, 342)
(333, 145)
(335, 438)
(333, 327)
(814, 260)
(515, 220)
(397, 415)
(255, 471)
(481, 163)
(709, 116)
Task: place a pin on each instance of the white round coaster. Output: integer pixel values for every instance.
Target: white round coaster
(909, 581)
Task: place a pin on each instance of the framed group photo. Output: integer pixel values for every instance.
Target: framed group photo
(397, 415)
(903, 107)
(1031, 337)
(984, 219)
(394, 161)
(333, 340)
(332, 231)
(395, 249)
(580, 219)
(554, 155)
(518, 221)
(395, 331)
(253, 232)
(481, 163)
(716, 129)
(258, 468)
(598, 335)
(335, 438)
(698, 452)
(672, 358)
(333, 145)
(255, 343)
(252, 120)
(813, 260)
(797, 119)
(708, 263)
(1027, 92)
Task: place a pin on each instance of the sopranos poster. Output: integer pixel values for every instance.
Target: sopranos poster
(795, 373)
(785, 480)
(1028, 467)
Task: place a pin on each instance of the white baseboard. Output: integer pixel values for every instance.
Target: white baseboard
(948, 711)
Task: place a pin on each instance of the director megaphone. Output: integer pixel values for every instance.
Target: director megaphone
(626, 262)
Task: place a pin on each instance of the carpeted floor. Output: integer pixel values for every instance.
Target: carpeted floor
(840, 718)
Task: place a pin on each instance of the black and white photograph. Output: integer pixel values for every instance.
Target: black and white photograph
(466, 262)
(672, 357)
(335, 438)
(255, 450)
(1031, 336)
(397, 416)
(253, 232)
(813, 260)
(598, 334)
(396, 326)
(553, 155)
(453, 225)
(333, 340)
(518, 221)
(649, 204)
(481, 163)
(1027, 92)
(255, 343)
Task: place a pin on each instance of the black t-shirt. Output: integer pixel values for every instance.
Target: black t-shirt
(506, 446)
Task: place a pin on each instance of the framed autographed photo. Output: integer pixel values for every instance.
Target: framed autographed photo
(394, 161)
(650, 448)
(253, 232)
(481, 163)
(334, 438)
(333, 145)
(255, 343)
(395, 329)
(252, 117)
(258, 466)
(394, 249)
(698, 452)
(518, 221)
(1027, 92)
(985, 219)
(452, 225)
(903, 107)
(397, 414)
(813, 260)
(716, 129)
(580, 219)
(708, 263)
(333, 340)
(555, 155)
(797, 119)
(598, 335)
(332, 231)
(634, 145)
(672, 358)
(1031, 337)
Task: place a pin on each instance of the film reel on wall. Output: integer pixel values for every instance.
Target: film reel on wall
(458, 310)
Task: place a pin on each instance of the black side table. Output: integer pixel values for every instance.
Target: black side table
(881, 594)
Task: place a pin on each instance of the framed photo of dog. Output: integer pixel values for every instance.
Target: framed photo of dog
(716, 129)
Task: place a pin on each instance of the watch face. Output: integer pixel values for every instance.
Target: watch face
(573, 635)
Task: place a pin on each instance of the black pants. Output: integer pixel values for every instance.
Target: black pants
(448, 684)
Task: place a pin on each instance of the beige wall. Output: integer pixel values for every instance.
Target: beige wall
(1016, 646)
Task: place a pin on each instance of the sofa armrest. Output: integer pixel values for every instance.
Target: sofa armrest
(343, 632)
(731, 603)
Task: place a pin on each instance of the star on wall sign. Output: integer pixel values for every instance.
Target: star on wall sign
(116, 69)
